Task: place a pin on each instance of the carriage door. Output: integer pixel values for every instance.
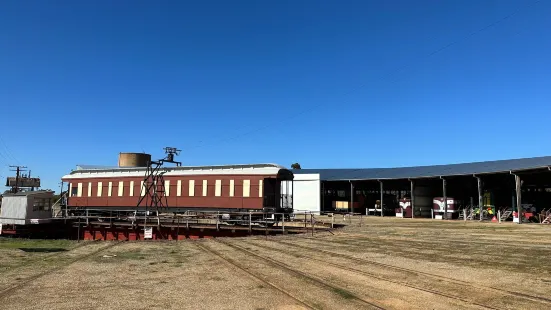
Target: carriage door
(270, 196)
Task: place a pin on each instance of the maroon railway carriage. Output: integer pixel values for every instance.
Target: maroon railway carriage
(237, 188)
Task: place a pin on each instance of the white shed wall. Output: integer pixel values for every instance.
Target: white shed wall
(306, 195)
(14, 207)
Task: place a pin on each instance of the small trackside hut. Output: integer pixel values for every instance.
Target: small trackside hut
(29, 214)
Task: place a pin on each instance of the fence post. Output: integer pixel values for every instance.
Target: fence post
(283, 223)
(78, 233)
(312, 222)
(178, 229)
(250, 224)
(465, 215)
(217, 219)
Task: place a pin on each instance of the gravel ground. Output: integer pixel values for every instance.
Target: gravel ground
(387, 262)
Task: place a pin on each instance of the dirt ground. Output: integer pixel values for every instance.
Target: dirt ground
(375, 263)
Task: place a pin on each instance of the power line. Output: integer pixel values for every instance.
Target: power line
(439, 50)
(7, 151)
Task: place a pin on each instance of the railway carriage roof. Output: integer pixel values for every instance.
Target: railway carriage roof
(104, 171)
(486, 167)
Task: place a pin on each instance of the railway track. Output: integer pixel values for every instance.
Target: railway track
(378, 277)
(233, 263)
(316, 280)
(417, 272)
(455, 241)
(6, 291)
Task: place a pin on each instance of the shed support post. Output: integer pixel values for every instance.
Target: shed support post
(480, 201)
(445, 198)
(381, 191)
(351, 197)
(519, 198)
(322, 196)
(412, 199)
(292, 195)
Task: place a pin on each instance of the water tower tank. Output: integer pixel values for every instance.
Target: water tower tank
(134, 159)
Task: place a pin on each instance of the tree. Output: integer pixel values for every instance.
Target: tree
(295, 166)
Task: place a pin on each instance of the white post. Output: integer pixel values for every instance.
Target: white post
(250, 223)
(499, 216)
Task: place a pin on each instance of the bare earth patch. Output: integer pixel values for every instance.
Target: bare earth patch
(386, 263)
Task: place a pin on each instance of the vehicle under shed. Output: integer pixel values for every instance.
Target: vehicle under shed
(489, 190)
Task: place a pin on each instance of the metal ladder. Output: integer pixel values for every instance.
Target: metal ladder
(547, 219)
(505, 215)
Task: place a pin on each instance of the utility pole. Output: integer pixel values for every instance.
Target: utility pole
(18, 171)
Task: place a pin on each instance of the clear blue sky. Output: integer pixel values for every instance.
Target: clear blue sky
(325, 83)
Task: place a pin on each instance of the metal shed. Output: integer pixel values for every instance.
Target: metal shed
(423, 183)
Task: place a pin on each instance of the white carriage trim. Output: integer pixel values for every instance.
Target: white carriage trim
(254, 169)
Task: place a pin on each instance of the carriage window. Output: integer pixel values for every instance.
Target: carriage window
(246, 188)
(260, 188)
(218, 188)
(131, 190)
(205, 188)
(179, 188)
(121, 188)
(89, 189)
(232, 188)
(167, 187)
(110, 189)
(191, 188)
(100, 188)
(74, 191)
(341, 193)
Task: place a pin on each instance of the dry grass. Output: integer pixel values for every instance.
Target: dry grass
(392, 263)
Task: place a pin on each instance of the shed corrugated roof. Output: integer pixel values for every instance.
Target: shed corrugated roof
(485, 167)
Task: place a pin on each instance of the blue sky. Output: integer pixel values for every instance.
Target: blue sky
(325, 83)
